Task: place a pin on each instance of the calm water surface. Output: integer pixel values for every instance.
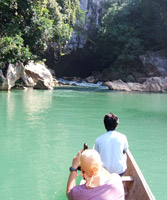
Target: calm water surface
(41, 131)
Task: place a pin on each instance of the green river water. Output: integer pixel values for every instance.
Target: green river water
(41, 131)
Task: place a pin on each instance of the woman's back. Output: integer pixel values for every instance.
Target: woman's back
(111, 190)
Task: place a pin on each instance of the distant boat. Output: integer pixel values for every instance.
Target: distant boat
(136, 187)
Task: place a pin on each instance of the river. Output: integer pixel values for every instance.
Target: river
(41, 131)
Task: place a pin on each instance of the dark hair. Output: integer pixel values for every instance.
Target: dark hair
(111, 121)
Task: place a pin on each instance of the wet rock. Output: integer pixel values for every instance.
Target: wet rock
(75, 79)
(91, 79)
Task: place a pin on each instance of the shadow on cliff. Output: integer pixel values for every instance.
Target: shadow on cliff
(80, 63)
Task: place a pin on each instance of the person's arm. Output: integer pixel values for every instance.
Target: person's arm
(72, 177)
(71, 182)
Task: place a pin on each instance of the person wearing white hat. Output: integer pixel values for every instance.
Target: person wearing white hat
(99, 183)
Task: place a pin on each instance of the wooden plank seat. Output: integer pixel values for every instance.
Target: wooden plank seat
(127, 178)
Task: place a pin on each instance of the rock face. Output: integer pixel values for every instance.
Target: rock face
(39, 72)
(153, 84)
(30, 74)
(81, 59)
(3, 83)
(92, 10)
(155, 63)
(14, 72)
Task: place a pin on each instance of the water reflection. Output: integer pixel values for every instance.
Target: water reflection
(10, 105)
(37, 101)
(32, 102)
(25, 144)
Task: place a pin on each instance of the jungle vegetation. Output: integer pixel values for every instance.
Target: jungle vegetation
(127, 29)
(28, 27)
(130, 28)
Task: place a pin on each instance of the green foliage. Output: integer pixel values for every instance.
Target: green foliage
(161, 8)
(129, 29)
(13, 50)
(27, 27)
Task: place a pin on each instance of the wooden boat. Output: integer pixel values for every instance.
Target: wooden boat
(136, 187)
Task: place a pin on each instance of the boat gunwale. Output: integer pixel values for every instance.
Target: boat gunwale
(138, 175)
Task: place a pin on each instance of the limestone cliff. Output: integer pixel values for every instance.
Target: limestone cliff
(81, 58)
(92, 9)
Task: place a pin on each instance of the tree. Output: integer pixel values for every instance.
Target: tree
(130, 28)
(27, 27)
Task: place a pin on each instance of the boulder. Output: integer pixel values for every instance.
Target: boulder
(105, 75)
(30, 74)
(153, 84)
(98, 75)
(40, 84)
(39, 72)
(155, 63)
(118, 85)
(13, 74)
(91, 79)
(76, 79)
(3, 82)
(135, 86)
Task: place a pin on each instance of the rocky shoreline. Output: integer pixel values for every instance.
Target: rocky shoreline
(152, 79)
(37, 75)
(152, 84)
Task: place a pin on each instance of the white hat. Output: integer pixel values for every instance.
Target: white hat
(92, 166)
